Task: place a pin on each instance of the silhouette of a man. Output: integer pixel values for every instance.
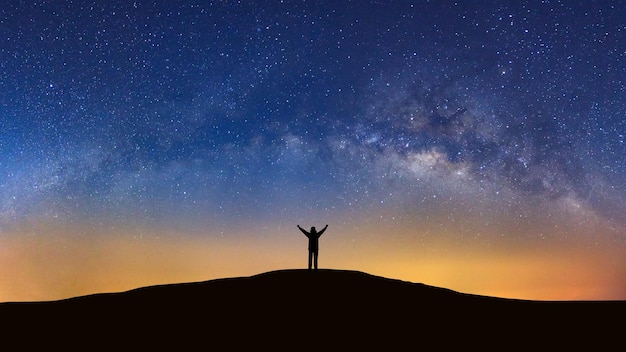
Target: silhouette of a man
(313, 243)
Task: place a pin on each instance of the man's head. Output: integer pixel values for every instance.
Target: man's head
(313, 229)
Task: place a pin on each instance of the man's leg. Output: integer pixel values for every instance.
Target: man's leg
(316, 254)
(310, 258)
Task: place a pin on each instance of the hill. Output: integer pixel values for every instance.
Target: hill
(297, 309)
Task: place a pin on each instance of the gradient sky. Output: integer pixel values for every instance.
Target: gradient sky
(472, 145)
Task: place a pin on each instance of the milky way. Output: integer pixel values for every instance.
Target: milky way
(413, 124)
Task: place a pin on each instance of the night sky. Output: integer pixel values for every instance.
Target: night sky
(473, 145)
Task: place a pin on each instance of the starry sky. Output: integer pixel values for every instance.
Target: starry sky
(472, 145)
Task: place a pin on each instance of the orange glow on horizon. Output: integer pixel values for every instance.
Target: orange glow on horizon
(56, 265)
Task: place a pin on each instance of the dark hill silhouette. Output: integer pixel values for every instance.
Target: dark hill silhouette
(298, 309)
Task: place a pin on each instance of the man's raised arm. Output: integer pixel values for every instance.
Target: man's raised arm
(322, 231)
(303, 231)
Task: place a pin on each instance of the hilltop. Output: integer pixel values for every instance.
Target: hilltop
(291, 309)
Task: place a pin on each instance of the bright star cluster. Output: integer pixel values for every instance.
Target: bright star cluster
(474, 145)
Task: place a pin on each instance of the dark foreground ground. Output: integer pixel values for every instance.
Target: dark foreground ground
(301, 310)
